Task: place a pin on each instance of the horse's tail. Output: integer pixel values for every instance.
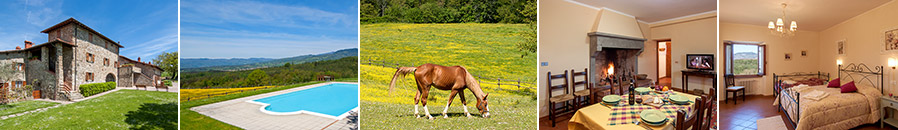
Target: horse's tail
(400, 72)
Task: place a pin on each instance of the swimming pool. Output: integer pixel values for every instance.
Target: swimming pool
(333, 100)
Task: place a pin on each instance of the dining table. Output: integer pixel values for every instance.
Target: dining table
(602, 116)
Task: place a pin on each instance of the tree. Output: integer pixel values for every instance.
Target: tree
(256, 78)
(7, 73)
(168, 62)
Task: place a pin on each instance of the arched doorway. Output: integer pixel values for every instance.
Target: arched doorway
(110, 77)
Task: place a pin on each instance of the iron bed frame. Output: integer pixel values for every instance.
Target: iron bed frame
(864, 72)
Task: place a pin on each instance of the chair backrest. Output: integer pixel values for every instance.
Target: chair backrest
(708, 105)
(684, 121)
(730, 80)
(575, 82)
(564, 85)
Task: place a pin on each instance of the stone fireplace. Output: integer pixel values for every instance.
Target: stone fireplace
(613, 51)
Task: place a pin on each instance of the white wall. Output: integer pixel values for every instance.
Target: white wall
(693, 35)
(563, 42)
(662, 55)
(864, 42)
(777, 47)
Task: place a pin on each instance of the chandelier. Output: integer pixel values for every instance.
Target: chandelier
(780, 29)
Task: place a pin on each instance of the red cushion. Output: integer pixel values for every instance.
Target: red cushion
(849, 87)
(833, 83)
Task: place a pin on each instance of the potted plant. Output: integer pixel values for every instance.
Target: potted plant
(33, 58)
(36, 94)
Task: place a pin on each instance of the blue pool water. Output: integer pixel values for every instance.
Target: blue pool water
(332, 99)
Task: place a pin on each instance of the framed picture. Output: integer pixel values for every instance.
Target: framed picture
(788, 56)
(841, 47)
(804, 53)
(890, 40)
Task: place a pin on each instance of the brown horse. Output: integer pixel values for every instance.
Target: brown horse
(453, 78)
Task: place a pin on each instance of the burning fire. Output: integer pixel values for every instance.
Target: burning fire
(611, 69)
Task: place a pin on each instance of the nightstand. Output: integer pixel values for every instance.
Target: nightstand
(888, 102)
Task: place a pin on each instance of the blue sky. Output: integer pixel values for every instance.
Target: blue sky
(745, 48)
(145, 27)
(267, 29)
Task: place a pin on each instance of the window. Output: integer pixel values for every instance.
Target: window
(20, 66)
(35, 54)
(89, 77)
(90, 58)
(746, 58)
(116, 64)
(18, 84)
(90, 37)
(105, 61)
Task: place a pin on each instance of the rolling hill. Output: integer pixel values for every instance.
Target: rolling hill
(254, 63)
(207, 62)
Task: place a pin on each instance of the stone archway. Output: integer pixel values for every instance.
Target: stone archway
(110, 77)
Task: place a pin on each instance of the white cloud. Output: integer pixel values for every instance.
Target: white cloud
(42, 13)
(151, 48)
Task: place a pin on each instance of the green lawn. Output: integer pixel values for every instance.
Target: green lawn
(192, 120)
(378, 115)
(23, 106)
(484, 49)
(124, 109)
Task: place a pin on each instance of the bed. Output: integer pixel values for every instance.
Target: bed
(805, 109)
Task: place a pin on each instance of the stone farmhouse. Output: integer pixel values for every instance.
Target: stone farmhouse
(74, 55)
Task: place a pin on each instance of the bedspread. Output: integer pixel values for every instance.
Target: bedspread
(837, 111)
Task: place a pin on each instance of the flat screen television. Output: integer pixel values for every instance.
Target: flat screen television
(700, 61)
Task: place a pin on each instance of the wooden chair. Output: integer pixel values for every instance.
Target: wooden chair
(581, 97)
(732, 88)
(684, 121)
(564, 99)
(709, 107)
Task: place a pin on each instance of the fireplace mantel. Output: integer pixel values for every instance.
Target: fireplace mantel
(620, 50)
(607, 40)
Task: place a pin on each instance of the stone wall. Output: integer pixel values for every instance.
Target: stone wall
(124, 77)
(65, 33)
(90, 43)
(145, 71)
(12, 60)
(38, 73)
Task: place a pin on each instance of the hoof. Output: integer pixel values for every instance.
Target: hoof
(444, 116)
(431, 118)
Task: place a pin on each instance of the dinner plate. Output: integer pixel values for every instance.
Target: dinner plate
(611, 99)
(652, 116)
(656, 124)
(678, 99)
(643, 90)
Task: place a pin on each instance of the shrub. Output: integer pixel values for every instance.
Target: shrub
(95, 88)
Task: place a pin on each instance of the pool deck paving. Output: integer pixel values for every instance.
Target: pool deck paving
(246, 115)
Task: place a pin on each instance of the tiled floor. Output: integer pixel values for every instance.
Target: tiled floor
(561, 124)
(745, 114)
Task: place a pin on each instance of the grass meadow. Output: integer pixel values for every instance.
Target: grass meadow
(123, 109)
(195, 94)
(487, 50)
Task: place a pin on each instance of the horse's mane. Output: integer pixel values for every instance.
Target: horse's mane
(473, 85)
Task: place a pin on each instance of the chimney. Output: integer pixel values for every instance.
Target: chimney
(18, 48)
(138, 59)
(28, 44)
